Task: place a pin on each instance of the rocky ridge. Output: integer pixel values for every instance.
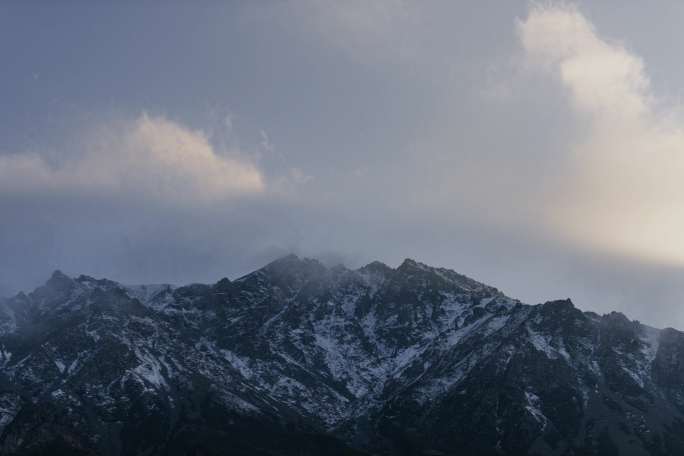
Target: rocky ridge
(299, 358)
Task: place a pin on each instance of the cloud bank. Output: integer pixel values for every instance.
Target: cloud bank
(149, 159)
(625, 191)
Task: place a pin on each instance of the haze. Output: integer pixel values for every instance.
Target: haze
(537, 147)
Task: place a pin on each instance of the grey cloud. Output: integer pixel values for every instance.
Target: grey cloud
(403, 129)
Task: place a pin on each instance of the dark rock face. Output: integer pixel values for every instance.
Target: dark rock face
(300, 359)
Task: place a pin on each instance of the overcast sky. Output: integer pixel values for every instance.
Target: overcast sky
(538, 147)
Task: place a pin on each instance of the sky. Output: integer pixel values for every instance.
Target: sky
(534, 146)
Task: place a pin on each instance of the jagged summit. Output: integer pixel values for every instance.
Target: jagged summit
(291, 265)
(375, 266)
(58, 275)
(410, 264)
(288, 267)
(297, 357)
(290, 258)
(58, 285)
(293, 261)
(59, 280)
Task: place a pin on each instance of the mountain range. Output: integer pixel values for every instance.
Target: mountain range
(298, 358)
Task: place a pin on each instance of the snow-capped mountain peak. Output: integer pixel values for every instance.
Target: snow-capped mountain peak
(378, 359)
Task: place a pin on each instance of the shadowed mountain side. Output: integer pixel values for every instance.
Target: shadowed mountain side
(298, 358)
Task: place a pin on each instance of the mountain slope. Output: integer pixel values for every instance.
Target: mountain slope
(298, 358)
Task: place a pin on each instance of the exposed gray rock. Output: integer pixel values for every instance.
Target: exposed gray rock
(298, 358)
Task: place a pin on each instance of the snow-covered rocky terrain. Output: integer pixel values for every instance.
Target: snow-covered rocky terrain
(300, 359)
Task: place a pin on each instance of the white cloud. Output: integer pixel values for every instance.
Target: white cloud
(605, 79)
(626, 191)
(152, 158)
